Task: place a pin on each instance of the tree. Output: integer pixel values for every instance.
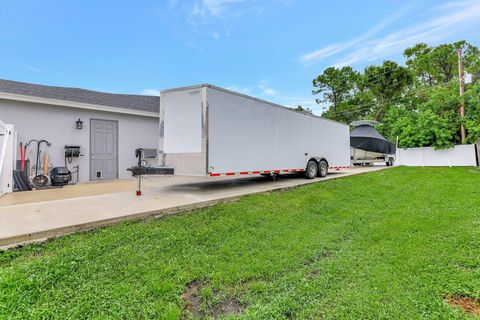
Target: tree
(418, 103)
(443, 60)
(438, 65)
(472, 114)
(419, 63)
(335, 86)
(472, 62)
(474, 69)
(358, 106)
(299, 108)
(387, 83)
(433, 122)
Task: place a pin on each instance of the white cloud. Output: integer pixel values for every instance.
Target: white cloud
(151, 92)
(330, 50)
(213, 17)
(269, 92)
(326, 51)
(215, 8)
(265, 90)
(447, 20)
(455, 4)
(244, 90)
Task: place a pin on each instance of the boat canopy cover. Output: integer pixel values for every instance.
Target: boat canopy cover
(365, 137)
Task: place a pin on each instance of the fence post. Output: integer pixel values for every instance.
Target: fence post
(477, 151)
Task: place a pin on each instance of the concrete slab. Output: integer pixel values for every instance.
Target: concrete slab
(37, 215)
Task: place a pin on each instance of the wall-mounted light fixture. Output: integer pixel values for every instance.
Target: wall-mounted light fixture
(79, 124)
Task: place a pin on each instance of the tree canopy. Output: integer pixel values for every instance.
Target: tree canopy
(336, 86)
(418, 102)
(303, 109)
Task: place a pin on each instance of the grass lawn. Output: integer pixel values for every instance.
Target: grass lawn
(391, 244)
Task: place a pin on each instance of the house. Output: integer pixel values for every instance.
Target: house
(107, 127)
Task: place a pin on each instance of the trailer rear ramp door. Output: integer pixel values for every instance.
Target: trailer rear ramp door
(183, 127)
(182, 131)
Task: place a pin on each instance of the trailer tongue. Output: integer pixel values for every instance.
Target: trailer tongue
(140, 170)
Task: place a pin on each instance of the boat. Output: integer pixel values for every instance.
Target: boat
(368, 146)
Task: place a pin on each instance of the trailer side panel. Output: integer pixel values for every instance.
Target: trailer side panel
(248, 135)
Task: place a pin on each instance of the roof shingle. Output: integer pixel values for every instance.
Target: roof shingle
(125, 101)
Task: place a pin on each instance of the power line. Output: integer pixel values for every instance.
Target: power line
(357, 108)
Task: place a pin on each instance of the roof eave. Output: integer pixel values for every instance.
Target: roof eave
(73, 104)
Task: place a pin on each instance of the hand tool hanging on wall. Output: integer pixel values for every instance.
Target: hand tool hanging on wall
(45, 163)
(31, 168)
(23, 154)
(39, 180)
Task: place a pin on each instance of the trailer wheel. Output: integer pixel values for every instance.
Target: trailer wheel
(312, 170)
(322, 169)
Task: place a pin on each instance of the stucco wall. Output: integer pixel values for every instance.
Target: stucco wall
(57, 125)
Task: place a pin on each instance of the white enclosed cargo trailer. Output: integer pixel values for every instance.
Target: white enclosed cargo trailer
(207, 130)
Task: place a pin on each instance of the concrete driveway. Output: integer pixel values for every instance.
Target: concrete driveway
(37, 215)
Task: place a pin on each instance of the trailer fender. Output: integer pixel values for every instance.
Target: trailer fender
(316, 159)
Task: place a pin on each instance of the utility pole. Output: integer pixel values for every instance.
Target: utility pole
(334, 107)
(462, 90)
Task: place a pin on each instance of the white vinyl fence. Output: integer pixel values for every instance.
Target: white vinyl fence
(461, 155)
(7, 157)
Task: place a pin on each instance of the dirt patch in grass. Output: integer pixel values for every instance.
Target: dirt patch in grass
(314, 273)
(229, 306)
(202, 302)
(192, 298)
(469, 305)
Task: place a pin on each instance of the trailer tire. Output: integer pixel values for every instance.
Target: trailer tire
(312, 170)
(322, 169)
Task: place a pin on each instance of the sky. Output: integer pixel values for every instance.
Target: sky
(271, 49)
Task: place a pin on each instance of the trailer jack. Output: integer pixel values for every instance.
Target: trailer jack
(140, 170)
